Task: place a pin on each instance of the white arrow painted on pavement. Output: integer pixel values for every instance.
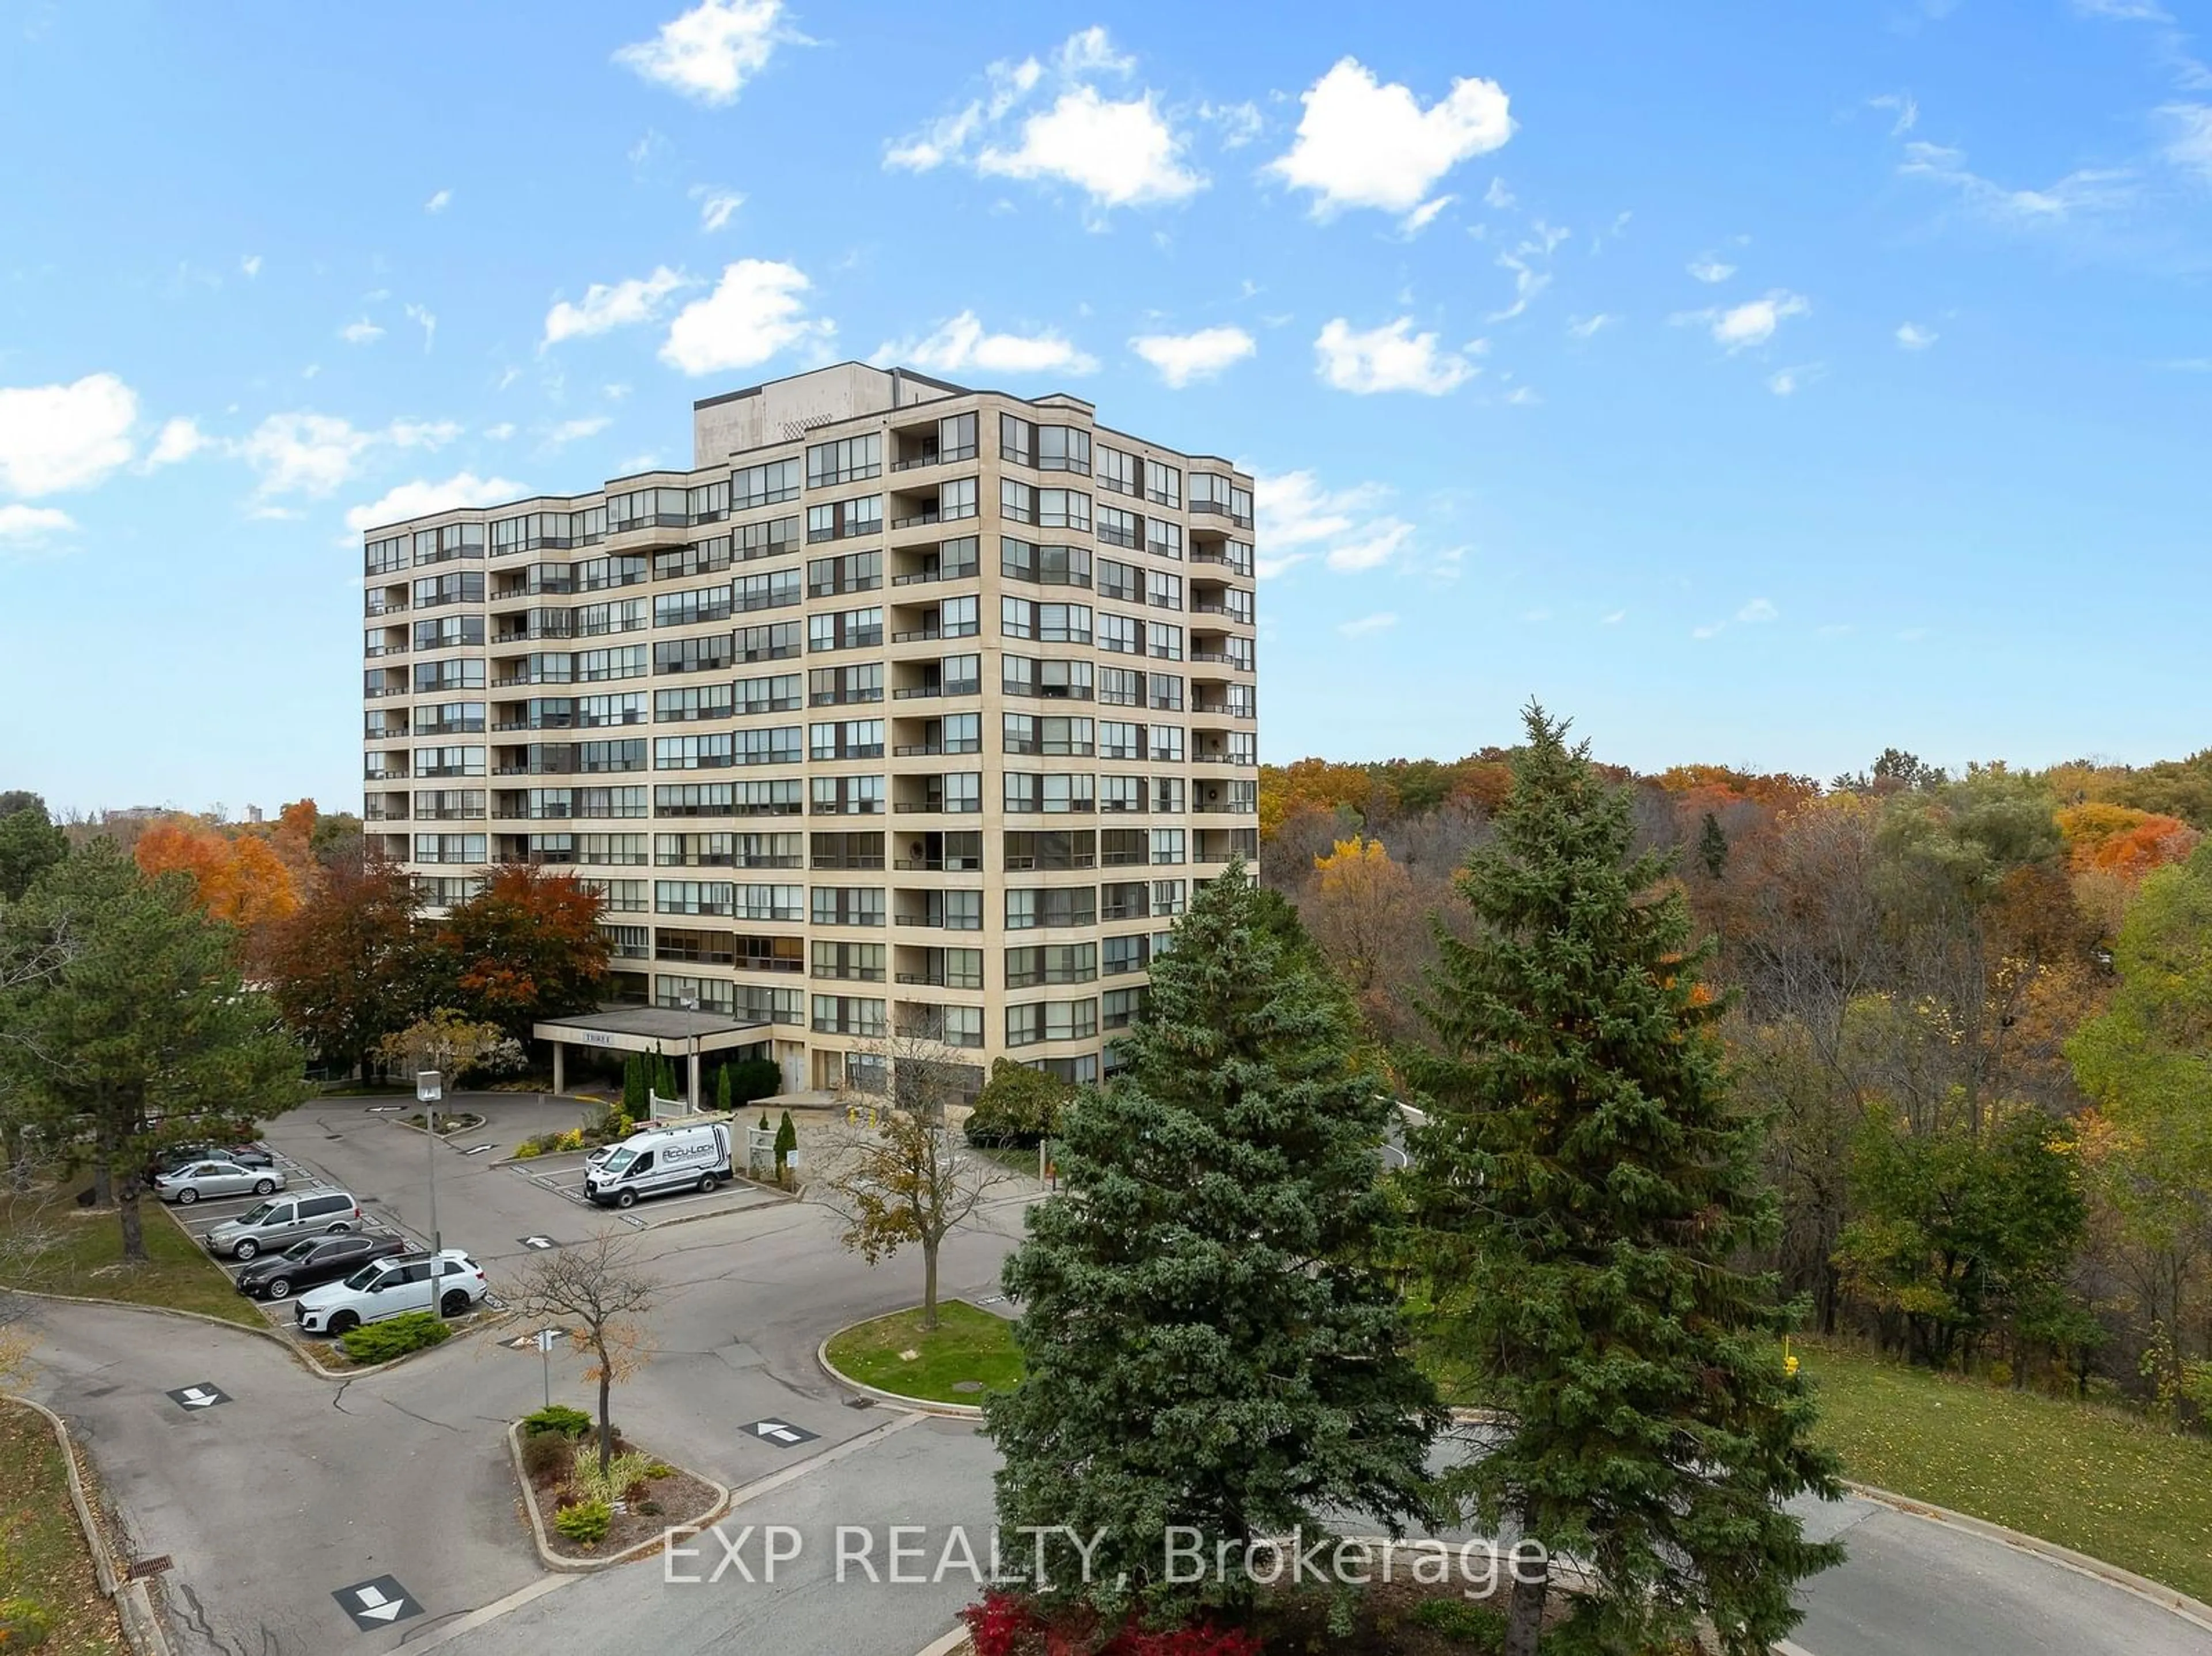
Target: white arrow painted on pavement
(782, 1434)
(195, 1398)
(376, 1606)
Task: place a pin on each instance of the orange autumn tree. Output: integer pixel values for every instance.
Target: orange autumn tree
(237, 877)
(2120, 840)
(1362, 914)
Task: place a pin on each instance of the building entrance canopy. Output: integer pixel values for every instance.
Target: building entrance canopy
(649, 1029)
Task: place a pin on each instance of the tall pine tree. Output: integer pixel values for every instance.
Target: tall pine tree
(1211, 1339)
(1586, 1193)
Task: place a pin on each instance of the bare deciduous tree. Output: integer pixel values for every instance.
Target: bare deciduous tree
(597, 1287)
(906, 1180)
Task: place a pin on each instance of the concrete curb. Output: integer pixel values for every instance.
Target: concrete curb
(568, 1566)
(919, 1405)
(2192, 1611)
(305, 1357)
(955, 1641)
(447, 1136)
(133, 1599)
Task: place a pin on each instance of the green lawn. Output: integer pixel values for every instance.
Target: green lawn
(969, 1344)
(2098, 1480)
(72, 1250)
(43, 1556)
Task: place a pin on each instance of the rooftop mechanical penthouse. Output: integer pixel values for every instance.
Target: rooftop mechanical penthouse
(910, 710)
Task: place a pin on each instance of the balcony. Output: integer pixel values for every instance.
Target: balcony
(372, 652)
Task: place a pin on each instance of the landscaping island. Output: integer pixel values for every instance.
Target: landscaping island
(969, 1353)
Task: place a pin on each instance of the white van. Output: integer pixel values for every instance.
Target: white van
(659, 1160)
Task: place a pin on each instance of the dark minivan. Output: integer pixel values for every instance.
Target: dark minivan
(311, 1263)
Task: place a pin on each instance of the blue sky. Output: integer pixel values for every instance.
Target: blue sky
(1756, 384)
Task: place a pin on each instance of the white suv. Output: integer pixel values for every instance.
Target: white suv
(388, 1287)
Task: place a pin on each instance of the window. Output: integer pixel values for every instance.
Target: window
(448, 718)
(776, 537)
(1166, 692)
(1017, 440)
(1120, 634)
(846, 629)
(1063, 508)
(848, 460)
(847, 796)
(778, 798)
(1016, 501)
(848, 738)
(1163, 539)
(776, 642)
(1047, 565)
(1050, 681)
(769, 902)
(1066, 962)
(1117, 956)
(449, 633)
(1052, 1020)
(688, 609)
(1053, 736)
(1050, 794)
(1025, 849)
(1167, 795)
(859, 962)
(776, 744)
(1167, 743)
(839, 520)
(833, 685)
(957, 499)
(856, 571)
(1209, 492)
(763, 485)
(847, 849)
(1121, 793)
(1117, 527)
(449, 848)
(1167, 897)
(849, 1014)
(1164, 591)
(1242, 748)
(1167, 845)
(1163, 641)
(1048, 623)
(961, 792)
(1123, 848)
(771, 590)
(449, 762)
(1163, 485)
(1062, 448)
(691, 753)
(463, 586)
(693, 897)
(707, 503)
(1117, 472)
(1124, 581)
(1121, 687)
(690, 655)
(849, 905)
(1032, 906)
(1119, 739)
(775, 695)
(1119, 1008)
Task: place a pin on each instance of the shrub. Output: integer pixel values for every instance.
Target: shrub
(623, 1470)
(1000, 1625)
(659, 1468)
(1454, 1618)
(527, 1149)
(571, 1140)
(635, 1493)
(585, 1523)
(1202, 1639)
(558, 1417)
(752, 1079)
(24, 1624)
(1018, 1106)
(545, 1457)
(395, 1337)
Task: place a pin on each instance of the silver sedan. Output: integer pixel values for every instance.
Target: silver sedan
(188, 1184)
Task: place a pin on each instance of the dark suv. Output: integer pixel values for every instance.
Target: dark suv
(311, 1263)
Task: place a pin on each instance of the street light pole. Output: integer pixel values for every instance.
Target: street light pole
(690, 1005)
(428, 1091)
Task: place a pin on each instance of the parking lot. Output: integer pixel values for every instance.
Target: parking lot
(563, 1175)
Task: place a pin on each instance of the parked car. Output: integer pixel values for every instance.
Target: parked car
(195, 1179)
(314, 1262)
(181, 1155)
(284, 1220)
(655, 1162)
(388, 1287)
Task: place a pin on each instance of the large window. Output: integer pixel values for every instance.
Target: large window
(1052, 1020)
(774, 537)
(846, 629)
(846, 739)
(847, 796)
(1047, 565)
(1049, 795)
(689, 608)
(1029, 907)
(857, 962)
(834, 686)
(849, 905)
(849, 1015)
(776, 745)
(1048, 623)
(771, 589)
(856, 571)
(690, 655)
(1049, 681)
(763, 485)
(777, 642)
(839, 520)
(693, 753)
(777, 694)
(1064, 963)
(1053, 736)
(846, 460)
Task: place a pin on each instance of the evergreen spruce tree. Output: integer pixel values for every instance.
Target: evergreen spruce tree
(1211, 1338)
(722, 1087)
(1585, 1192)
(634, 1087)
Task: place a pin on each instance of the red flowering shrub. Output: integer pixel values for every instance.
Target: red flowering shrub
(1002, 1625)
(1008, 1624)
(1200, 1640)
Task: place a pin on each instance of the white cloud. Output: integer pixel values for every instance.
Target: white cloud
(2190, 146)
(716, 206)
(1373, 550)
(1182, 358)
(1268, 568)
(363, 332)
(250, 266)
(571, 431)
(304, 453)
(1613, 617)
(1381, 622)
(1122, 153)
(1787, 382)
(28, 524)
(711, 50)
(1497, 196)
(1390, 358)
(613, 305)
(1901, 104)
(756, 311)
(1363, 144)
(438, 203)
(1523, 261)
(422, 317)
(421, 433)
(501, 432)
(1757, 611)
(1585, 327)
(1239, 124)
(1751, 322)
(2125, 11)
(1914, 337)
(962, 343)
(1706, 268)
(414, 499)
(179, 439)
(58, 437)
(1422, 216)
(1711, 629)
(2088, 190)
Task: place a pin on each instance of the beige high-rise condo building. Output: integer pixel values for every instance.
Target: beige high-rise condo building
(908, 711)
